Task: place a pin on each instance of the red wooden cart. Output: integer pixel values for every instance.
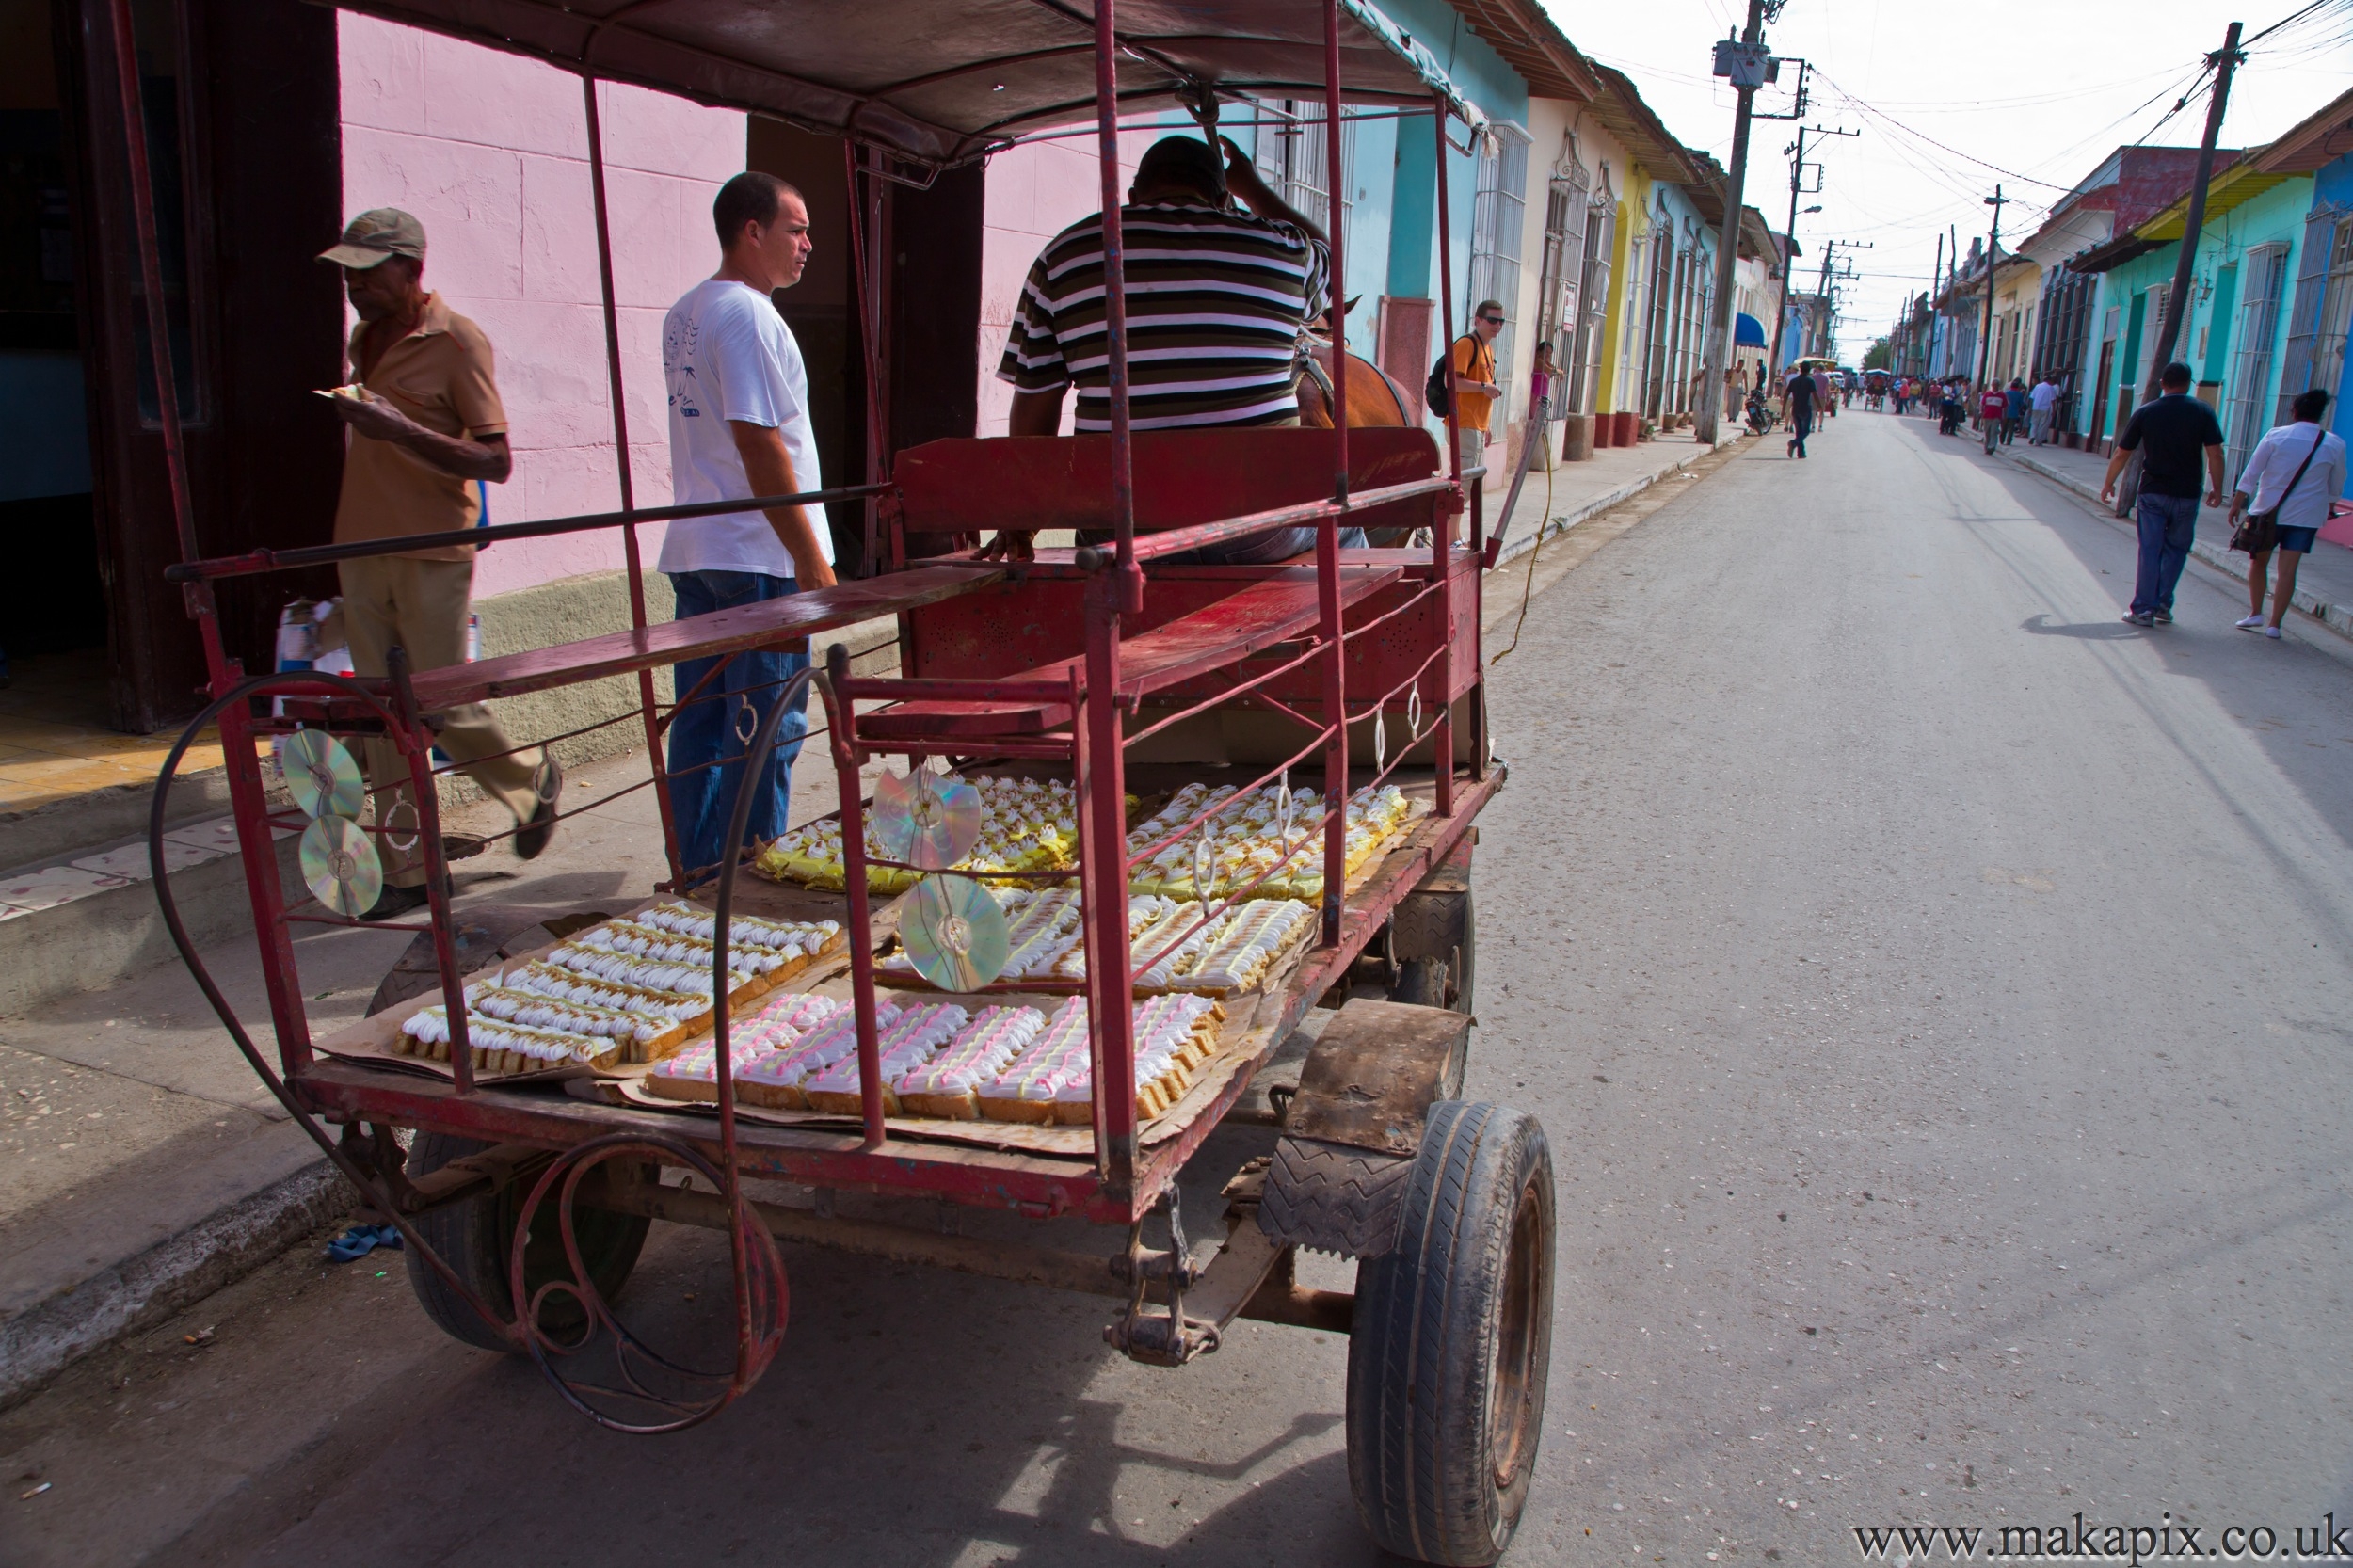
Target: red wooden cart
(525, 1205)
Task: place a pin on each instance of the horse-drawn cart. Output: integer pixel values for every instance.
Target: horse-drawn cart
(1068, 939)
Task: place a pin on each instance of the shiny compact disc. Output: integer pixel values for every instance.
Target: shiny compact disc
(925, 821)
(320, 775)
(339, 865)
(954, 932)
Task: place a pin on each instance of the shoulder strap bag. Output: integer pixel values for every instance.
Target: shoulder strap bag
(2259, 532)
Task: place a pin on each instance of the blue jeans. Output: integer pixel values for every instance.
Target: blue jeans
(2169, 525)
(718, 724)
(1801, 426)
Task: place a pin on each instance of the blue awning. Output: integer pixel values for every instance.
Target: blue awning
(1747, 331)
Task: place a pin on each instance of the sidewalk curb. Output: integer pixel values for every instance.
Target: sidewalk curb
(2337, 617)
(141, 1290)
(1552, 528)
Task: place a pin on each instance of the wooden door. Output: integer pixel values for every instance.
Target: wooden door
(2100, 393)
(241, 103)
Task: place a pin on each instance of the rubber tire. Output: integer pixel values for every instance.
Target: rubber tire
(1425, 981)
(474, 1238)
(1457, 1316)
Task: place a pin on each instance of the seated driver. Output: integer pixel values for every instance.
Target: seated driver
(1215, 300)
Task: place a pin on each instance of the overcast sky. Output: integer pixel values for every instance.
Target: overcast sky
(2045, 89)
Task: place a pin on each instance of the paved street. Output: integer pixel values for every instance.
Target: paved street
(1935, 993)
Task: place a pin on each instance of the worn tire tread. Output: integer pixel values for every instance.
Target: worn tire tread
(1421, 1354)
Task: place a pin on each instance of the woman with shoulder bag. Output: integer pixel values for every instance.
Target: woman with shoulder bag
(2279, 503)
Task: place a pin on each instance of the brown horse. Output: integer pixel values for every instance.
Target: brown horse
(1373, 399)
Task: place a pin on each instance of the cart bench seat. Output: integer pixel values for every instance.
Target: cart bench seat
(721, 631)
(1272, 610)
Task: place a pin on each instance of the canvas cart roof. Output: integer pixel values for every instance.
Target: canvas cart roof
(940, 82)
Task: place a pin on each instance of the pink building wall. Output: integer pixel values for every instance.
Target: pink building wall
(490, 151)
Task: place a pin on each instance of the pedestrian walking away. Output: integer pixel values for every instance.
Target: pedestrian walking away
(1799, 400)
(427, 426)
(2282, 497)
(2015, 414)
(2173, 435)
(1948, 407)
(740, 427)
(1992, 412)
(2043, 401)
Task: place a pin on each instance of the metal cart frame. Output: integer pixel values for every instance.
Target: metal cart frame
(1160, 649)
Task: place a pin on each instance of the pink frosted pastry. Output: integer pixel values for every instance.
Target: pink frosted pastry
(910, 1039)
(948, 1085)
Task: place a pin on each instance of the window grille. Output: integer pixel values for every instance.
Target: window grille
(2324, 297)
(1293, 160)
(1497, 211)
(1584, 361)
(1560, 291)
(2265, 274)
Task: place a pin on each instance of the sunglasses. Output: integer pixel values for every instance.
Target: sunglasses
(1492, 321)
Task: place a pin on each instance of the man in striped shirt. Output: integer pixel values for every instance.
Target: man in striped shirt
(1215, 300)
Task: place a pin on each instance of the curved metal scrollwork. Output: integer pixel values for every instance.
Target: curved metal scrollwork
(619, 1375)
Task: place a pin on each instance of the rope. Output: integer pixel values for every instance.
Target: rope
(1527, 591)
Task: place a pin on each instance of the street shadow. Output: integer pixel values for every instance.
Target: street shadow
(2089, 631)
(912, 1417)
(2290, 698)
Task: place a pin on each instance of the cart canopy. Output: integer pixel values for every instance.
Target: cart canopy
(942, 82)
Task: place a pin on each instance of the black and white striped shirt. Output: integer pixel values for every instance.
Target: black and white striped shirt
(1214, 304)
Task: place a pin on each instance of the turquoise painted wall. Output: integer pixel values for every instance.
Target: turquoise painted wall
(1488, 82)
(2273, 216)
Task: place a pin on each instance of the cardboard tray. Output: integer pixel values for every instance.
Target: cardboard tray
(371, 1042)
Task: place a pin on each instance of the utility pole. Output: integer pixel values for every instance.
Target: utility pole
(1745, 67)
(2177, 297)
(1936, 280)
(1797, 179)
(1992, 247)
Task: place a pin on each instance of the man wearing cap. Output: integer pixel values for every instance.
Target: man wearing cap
(425, 426)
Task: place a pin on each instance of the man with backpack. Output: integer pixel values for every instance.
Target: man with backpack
(1474, 354)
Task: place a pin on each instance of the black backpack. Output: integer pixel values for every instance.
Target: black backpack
(1434, 391)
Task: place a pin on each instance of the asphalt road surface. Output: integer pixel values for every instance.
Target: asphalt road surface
(1937, 996)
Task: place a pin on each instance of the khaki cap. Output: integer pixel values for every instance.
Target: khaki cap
(375, 235)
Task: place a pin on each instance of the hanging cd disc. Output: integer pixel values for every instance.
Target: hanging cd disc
(954, 932)
(1204, 865)
(1380, 741)
(924, 821)
(339, 865)
(321, 775)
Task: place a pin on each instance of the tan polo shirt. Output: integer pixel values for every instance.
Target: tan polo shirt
(442, 377)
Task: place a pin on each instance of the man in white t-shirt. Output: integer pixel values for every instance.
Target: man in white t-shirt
(739, 428)
(2041, 401)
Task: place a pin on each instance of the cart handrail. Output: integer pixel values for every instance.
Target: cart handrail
(257, 561)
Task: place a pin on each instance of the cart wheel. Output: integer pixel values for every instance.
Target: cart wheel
(1452, 1342)
(1441, 982)
(475, 1238)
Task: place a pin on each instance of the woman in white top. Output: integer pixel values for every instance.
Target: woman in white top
(2264, 486)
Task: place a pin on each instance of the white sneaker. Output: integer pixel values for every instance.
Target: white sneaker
(2271, 631)
(2249, 623)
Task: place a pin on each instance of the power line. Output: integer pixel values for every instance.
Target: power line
(1897, 124)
